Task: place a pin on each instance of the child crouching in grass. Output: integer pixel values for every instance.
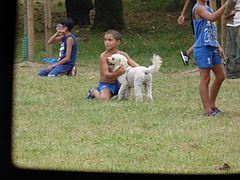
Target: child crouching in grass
(68, 50)
(108, 85)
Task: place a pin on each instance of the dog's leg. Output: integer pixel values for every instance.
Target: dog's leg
(121, 92)
(128, 93)
(138, 89)
(148, 88)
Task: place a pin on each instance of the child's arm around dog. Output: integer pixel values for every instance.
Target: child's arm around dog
(108, 85)
(106, 75)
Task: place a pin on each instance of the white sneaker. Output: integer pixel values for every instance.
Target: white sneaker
(185, 57)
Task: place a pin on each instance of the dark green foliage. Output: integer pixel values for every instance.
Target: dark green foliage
(79, 11)
(109, 15)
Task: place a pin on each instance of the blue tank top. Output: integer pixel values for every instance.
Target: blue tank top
(205, 31)
(63, 49)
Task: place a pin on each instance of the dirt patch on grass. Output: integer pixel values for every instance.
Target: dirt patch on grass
(28, 67)
(29, 64)
(88, 70)
(193, 72)
(34, 67)
(187, 73)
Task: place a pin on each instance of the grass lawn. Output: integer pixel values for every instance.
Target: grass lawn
(55, 128)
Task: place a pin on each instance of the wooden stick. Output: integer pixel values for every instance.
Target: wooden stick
(223, 28)
(30, 30)
(48, 26)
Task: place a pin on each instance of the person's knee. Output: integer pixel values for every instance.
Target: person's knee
(104, 94)
(220, 78)
(205, 80)
(53, 74)
(43, 72)
(104, 98)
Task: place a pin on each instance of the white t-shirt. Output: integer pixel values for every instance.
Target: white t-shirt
(236, 18)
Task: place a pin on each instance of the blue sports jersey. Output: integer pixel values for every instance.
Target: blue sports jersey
(63, 49)
(205, 31)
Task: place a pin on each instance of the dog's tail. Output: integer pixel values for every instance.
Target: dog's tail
(156, 64)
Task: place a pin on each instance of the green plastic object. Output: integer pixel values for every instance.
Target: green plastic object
(25, 48)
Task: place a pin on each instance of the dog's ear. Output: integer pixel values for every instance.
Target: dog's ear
(121, 62)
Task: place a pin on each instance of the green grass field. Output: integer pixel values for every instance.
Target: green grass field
(55, 128)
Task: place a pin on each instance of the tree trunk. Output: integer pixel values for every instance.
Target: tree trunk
(109, 15)
(78, 11)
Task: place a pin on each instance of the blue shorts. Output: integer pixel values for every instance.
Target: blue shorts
(206, 57)
(114, 88)
(63, 68)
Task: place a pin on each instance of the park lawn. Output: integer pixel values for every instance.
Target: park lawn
(54, 127)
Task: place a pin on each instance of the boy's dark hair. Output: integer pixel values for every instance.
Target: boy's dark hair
(67, 22)
(115, 34)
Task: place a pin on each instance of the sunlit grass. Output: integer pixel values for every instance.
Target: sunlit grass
(54, 127)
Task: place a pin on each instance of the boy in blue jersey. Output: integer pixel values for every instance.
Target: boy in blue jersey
(68, 50)
(208, 54)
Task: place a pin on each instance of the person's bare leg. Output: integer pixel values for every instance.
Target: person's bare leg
(204, 90)
(190, 51)
(105, 94)
(219, 78)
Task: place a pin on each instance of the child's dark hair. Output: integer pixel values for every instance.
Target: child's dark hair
(115, 34)
(67, 22)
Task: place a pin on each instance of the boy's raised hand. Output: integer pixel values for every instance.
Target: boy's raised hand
(61, 32)
(181, 20)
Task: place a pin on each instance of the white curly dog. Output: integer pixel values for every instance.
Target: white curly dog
(135, 77)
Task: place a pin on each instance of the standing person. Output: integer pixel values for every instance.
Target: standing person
(208, 53)
(108, 85)
(185, 55)
(68, 50)
(232, 66)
